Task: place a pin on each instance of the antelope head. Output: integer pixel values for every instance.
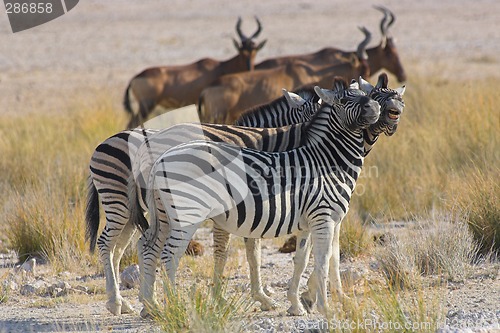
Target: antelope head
(247, 48)
(387, 52)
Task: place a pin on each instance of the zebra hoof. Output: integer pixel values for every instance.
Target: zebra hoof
(115, 307)
(127, 307)
(306, 302)
(268, 305)
(296, 310)
(146, 314)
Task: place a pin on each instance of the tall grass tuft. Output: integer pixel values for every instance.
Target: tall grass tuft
(202, 308)
(381, 308)
(444, 246)
(355, 238)
(44, 169)
(479, 201)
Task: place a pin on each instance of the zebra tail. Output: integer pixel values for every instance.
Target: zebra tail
(92, 215)
(136, 213)
(126, 100)
(154, 229)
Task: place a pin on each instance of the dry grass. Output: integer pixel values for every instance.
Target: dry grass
(445, 152)
(201, 308)
(355, 238)
(44, 171)
(443, 246)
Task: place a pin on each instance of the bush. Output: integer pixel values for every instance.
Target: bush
(443, 246)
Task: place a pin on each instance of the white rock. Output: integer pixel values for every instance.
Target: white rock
(130, 276)
(28, 267)
(37, 287)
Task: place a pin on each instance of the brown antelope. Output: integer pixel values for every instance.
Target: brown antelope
(381, 56)
(228, 96)
(176, 86)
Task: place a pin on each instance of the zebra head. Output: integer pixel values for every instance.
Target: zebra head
(303, 101)
(391, 104)
(354, 109)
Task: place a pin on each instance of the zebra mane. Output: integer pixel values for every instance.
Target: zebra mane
(306, 92)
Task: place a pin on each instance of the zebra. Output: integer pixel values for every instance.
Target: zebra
(390, 100)
(258, 194)
(111, 171)
(391, 105)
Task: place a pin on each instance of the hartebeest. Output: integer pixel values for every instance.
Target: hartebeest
(381, 56)
(176, 86)
(228, 96)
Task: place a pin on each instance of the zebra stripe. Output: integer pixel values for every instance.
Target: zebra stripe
(111, 175)
(278, 114)
(202, 180)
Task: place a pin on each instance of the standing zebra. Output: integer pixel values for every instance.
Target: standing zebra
(111, 172)
(260, 194)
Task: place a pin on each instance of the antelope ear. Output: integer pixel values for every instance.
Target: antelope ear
(236, 45)
(327, 96)
(365, 86)
(293, 100)
(261, 44)
(354, 84)
(401, 90)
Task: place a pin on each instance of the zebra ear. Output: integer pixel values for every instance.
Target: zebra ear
(365, 86)
(326, 95)
(339, 84)
(354, 84)
(383, 81)
(293, 100)
(401, 90)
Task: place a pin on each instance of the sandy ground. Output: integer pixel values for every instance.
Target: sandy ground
(94, 50)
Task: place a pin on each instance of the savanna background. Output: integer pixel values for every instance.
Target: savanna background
(420, 243)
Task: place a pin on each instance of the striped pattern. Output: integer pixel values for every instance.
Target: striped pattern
(259, 194)
(278, 113)
(111, 176)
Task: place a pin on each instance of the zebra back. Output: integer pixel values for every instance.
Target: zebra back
(282, 111)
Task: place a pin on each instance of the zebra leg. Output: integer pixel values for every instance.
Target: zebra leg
(221, 246)
(335, 282)
(322, 246)
(300, 262)
(253, 249)
(122, 242)
(116, 218)
(308, 297)
(148, 261)
(106, 244)
(176, 245)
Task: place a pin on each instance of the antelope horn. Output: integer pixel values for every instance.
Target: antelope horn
(238, 30)
(361, 53)
(259, 28)
(384, 25)
(384, 19)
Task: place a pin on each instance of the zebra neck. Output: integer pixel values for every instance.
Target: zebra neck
(369, 139)
(326, 130)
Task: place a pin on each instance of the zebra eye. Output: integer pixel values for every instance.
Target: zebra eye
(343, 100)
